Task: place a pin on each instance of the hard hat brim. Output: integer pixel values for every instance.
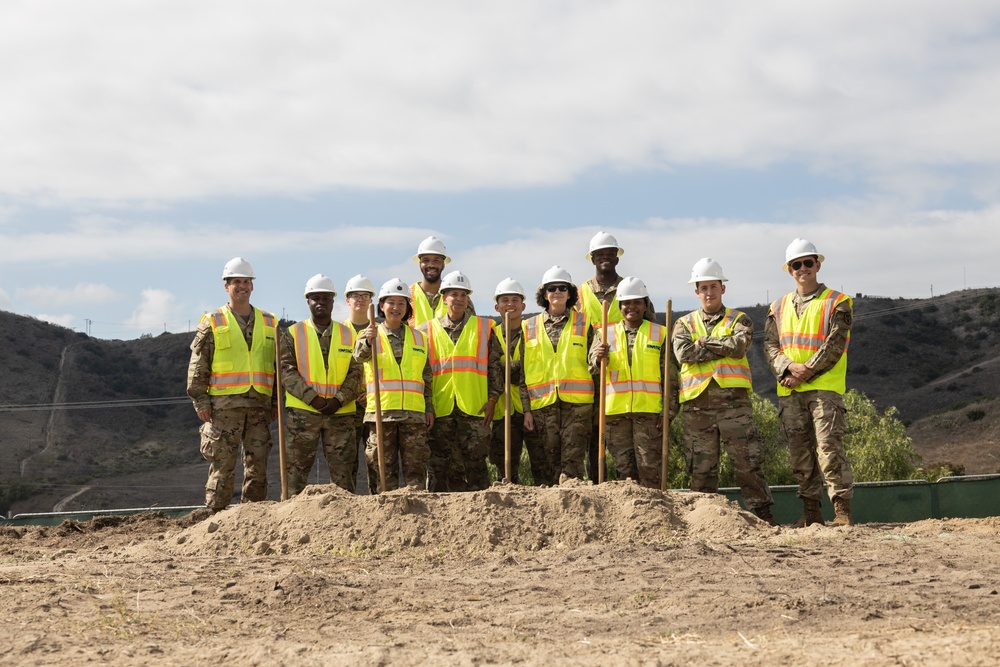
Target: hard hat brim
(590, 255)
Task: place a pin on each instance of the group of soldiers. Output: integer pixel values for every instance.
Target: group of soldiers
(444, 375)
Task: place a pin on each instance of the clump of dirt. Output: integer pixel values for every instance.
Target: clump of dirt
(504, 518)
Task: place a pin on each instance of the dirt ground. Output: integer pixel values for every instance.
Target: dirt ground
(581, 575)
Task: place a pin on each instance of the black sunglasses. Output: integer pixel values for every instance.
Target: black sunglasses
(557, 288)
(808, 263)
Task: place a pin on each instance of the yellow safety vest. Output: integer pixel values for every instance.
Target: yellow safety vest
(401, 385)
(557, 374)
(459, 369)
(594, 309)
(515, 392)
(637, 387)
(727, 372)
(422, 311)
(235, 368)
(325, 379)
(801, 337)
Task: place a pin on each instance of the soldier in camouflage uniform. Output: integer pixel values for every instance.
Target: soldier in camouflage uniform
(425, 294)
(806, 335)
(604, 252)
(556, 378)
(458, 344)
(634, 387)
(321, 380)
(231, 383)
(405, 421)
(359, 293)
(715, 385)
(509, 298)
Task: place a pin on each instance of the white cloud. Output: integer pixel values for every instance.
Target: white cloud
(81, 294)
(156, 308)
(188, 99)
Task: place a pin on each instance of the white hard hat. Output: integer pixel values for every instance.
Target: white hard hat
(556, 274)
(456, 280)
(237, 267)
(706, 268)
(601, 241)
(432, 245)
(800, 248)
(632, 288)
(320, 283)
(508, 286)
(359, 283)
(394, 287)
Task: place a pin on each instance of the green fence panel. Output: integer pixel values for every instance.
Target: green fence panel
(968, 497)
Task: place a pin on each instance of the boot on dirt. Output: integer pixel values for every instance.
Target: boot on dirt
(842, 508)
(764, 514)
(811, 514)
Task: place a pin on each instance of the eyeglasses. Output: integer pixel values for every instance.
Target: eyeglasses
(557, 288)
(808, 263)
(360, 296)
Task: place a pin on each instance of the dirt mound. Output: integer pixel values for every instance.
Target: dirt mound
(503, 518)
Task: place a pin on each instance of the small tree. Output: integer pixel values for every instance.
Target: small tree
(876, 443)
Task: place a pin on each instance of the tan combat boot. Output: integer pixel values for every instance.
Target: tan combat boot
(811, 514)
(764, 514)
(842, 508)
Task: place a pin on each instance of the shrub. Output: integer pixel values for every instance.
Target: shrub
(975, 415)
(876, 443)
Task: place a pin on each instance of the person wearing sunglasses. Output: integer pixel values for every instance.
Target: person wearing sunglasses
(715, 384)
(806, 336)
(557, 379)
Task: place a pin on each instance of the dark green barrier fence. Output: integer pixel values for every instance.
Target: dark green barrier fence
(968, 497)
(56, 518)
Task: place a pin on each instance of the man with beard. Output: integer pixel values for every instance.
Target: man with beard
(321, 381)
(425, 294)
(604, 254)
(231, 383)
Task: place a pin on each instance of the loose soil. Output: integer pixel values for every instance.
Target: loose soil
(576, 575)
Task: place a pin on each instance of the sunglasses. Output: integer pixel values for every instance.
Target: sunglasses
(808, 263)
(557, 288)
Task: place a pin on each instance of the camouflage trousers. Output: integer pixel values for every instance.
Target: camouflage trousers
(814, 423)
(459, 446)
(304, 430)
(563, 431)
(403, 440)
(725, 415)
(636, 446)
(220, 443)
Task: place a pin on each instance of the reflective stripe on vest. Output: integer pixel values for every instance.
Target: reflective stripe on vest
(594, 309)
(401, 385)
(422, 311)
(728, 372)
(561, 374)
(637, 387)
(459, 369)
(236, 368)
(515, 392)
(801, 337)
(325, 379)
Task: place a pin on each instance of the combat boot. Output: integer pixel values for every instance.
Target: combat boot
(842, 508)
(764, 514)
(811, 514)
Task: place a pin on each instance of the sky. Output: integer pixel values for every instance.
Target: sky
(146, 144)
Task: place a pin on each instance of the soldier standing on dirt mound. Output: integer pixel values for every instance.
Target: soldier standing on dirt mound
(715, 384)
(458, 345)
(634, 407)
(359, 292)
(404, 390)
(321, 380)
(603, 252)
(231, 382)
(558, 381)
(806, 337)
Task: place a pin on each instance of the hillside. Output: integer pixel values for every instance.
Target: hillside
(935, 359)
